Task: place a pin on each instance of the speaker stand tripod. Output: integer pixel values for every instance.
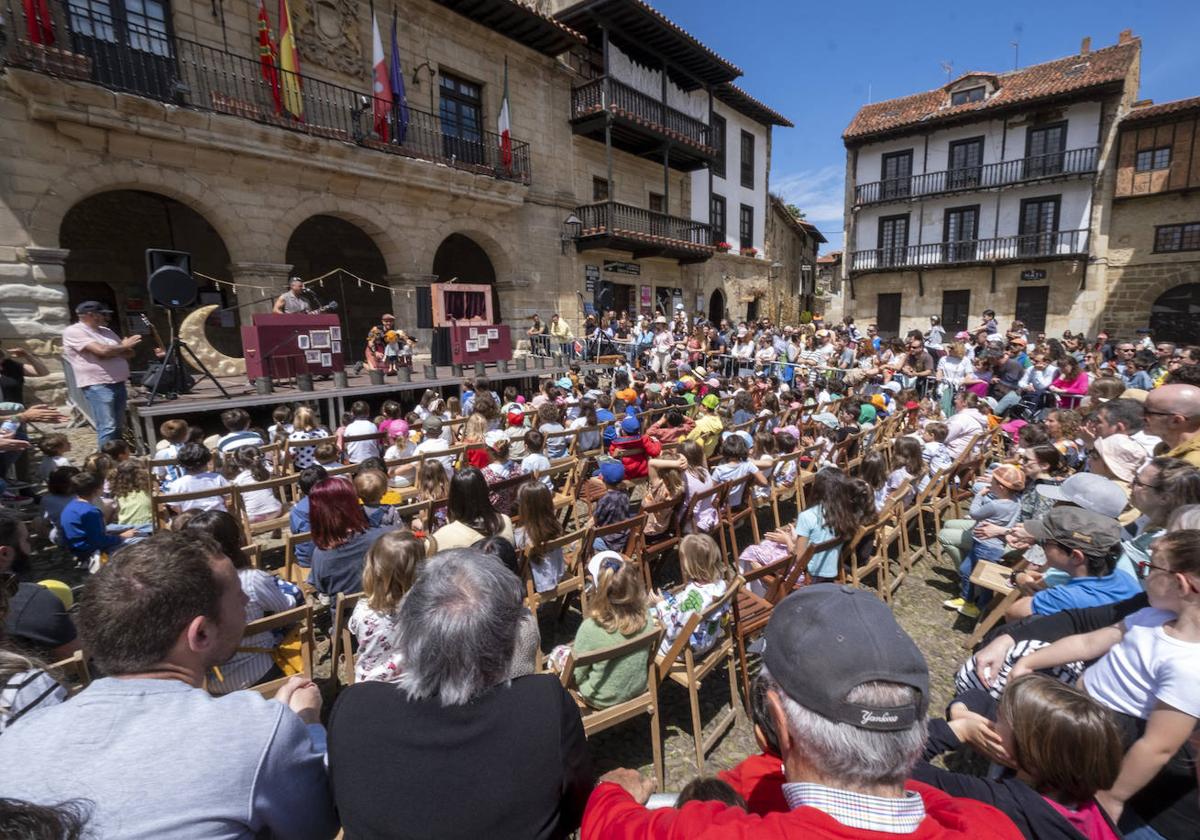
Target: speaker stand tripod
(174, 353)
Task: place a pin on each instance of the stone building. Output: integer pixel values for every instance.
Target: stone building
(156, 126)
(1154, 236)
(829, 301)
(991, 192)
(792, 245)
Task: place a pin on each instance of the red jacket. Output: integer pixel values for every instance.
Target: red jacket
(612, 814)
(636, 466)
(759, 779)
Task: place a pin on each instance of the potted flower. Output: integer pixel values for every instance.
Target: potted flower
(749, 252)
(723, 247)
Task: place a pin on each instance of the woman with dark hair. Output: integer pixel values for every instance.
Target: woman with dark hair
(341, 534)
(470, 513)
(263, 597)
(1072, 383)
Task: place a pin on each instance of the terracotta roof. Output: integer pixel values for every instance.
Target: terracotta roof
(1073, 74)
(831, 257)
(744, 103)
(522, 21)
(1150, 112)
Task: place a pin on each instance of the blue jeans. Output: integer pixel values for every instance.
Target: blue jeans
(108, 410)
(979, 551)
(1132, 827)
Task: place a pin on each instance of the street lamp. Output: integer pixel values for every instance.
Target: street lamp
(572, 227)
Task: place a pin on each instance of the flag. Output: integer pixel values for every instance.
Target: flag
(38, 22)
(267, 55)
(505, 125)
(381, 85)
(399, 100)
(289, 64)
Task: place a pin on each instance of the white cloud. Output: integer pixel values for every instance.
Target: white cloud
(820, 193)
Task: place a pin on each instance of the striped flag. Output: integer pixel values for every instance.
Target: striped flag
(289, 64)
(381, 85)
(38, 23)
(399, 99)
(505, 125)
(267, 55)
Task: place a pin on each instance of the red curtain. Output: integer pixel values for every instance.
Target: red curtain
(464, 305)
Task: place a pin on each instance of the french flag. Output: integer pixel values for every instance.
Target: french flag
(382, 94)
(505, 126)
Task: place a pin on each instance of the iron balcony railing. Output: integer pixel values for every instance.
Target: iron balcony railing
(135, 54)
(624, 221)
(605, 91)
(985, 176)
(1059, 243)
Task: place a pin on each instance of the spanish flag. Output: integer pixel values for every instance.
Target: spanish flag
(289, 64)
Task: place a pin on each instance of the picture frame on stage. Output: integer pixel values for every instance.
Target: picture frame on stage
(312, 357)
(493, 334)
(336, 346)
(326, 360)
(472, 345)
(302, 341)
(482, 342)
(321, 339)
(335, 333)
(474, 332)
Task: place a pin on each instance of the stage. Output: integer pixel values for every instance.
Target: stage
(205, 397)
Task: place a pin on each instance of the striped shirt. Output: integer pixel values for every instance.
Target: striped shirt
(891, 815)
(25, 692)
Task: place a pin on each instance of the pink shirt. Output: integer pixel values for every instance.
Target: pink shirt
(90, 369)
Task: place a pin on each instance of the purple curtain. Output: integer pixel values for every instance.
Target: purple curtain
(464, 305)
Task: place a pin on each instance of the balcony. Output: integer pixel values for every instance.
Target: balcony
(89, 45)
(641, 124)
(643, 233)
(1075, 162)
(1060, 244)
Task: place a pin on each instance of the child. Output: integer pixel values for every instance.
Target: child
(175, 433)
(237, 431)
(634, 449)
(433, 485)
(617, 612)
(304, 427)
(370, 485)
(325, 455)
(1146, 673)
(910, 468)
(434, 442)
(666, 483)
(298, 521)
(358, 451)
(248, 466)
(400, 447)
(281, 426)
(388, 572)
(500, 467)
(785, 445)
(697, 480)
(54, 449)
(548, 422)
(195, 461)
(612, 507)
(706, 576)
(474, 431)
(935, 453)
(539, 525)
(874, 472)
(392, 419)
(118, 450)
(998, 503)
(57, 496)
(535, 461)
(709, 789)
(516, 432)
(762, 456)
(83, 523)
(131, 490)
(736, 466)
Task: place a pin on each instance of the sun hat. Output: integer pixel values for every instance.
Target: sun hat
(826, 419)
(495, 439)
(1122, 455)
(660, 320)
(565, 383)
(603, 558)
(879, 401)
(712, 382)
(1007, 475)
(612, 471)
(894, 387)
(1076, 528)
(859, 641)
(711, 402)
(1135, 394)
(1090, 492)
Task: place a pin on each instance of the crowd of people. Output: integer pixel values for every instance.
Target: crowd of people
(454, 519)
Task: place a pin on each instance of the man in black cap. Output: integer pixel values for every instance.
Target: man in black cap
(847, 691)
(99, 358)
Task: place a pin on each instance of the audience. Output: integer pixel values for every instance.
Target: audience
(341, 536)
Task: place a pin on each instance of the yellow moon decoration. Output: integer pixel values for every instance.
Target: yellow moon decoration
(191, 330)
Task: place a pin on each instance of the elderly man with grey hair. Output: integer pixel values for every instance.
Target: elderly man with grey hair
(457, 749)
(847, 693)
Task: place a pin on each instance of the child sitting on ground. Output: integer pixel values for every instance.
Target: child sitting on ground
(998, 502)
(389, 570)
(83, 523)
(131, 489)
(706, 577)
(197, 475)
(539, 525)
(248, 466)
(54, 454)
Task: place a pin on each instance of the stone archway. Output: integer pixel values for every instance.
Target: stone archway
(1175, 315)
(716, 306)
(461, 258)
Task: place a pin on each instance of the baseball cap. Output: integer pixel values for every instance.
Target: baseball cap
(1076, 528)
(92, 307)
(826, 419)
(1122, 455)
(1016, 339)
(612, 471)
(654, 388)
(630, 425)
(894, 387)
(1009, 476)
(679, 307)
(711, 402)
(565, 383)
(1090, 492)
(388, 317)
(495, 439)
(859, 640)
(516, 418)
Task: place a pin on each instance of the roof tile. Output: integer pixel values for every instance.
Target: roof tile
(1149, 112)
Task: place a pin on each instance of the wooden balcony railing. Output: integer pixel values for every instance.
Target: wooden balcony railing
(82, 41)
(636, 224)
(986, 176)
(605, 91)
(1059, 243)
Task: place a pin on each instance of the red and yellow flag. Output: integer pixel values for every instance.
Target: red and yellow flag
(289, 64)
(267, 56)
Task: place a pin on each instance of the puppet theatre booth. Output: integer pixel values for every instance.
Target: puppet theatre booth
(464, 326)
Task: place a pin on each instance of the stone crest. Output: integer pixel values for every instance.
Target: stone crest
(330, 36)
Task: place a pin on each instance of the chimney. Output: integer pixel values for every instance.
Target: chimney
(1125, 36)
(1086, 46)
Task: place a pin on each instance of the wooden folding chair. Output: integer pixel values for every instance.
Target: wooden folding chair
(680, 665)
(994, 577)
(731, 517)
(574, 547)
(160, 503)
(302, 616)
(634, 527)
(72, 673)
(653, 551)
(277, 486)
(783, 493)
(596, 720)
(716, 495)
(341, 640)
(292, 570)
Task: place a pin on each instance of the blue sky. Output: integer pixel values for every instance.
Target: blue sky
(817, 63)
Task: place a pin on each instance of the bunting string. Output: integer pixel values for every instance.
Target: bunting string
(320, 281)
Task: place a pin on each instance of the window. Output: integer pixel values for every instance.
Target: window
(893, 240)
(747, 159)
(887, 315)
(716, 212)
(1039, 224)
(965, 163)
(1184, 237)
(746, 226)
(128, 42)
(897, 174)
(1149, 159)
(657, 204)
(599, 189)
(718, 141)
(956, 310)
(962, 97)
(961, 234)
(461, 114)
(1044, 148)
(1032, 303)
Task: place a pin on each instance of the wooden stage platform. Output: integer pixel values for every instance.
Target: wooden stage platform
(205, 398)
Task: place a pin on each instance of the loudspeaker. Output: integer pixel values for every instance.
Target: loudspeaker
(169, 278)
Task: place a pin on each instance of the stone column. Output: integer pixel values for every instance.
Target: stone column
(272, 276)
(33, 307)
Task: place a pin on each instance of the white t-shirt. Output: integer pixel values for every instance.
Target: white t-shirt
(537, 462)
(437, 444)
(358, 451)
(1146, 666)
(194, 484)
(257, 502)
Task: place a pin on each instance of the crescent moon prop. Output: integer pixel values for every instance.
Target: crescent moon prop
(191, 330)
